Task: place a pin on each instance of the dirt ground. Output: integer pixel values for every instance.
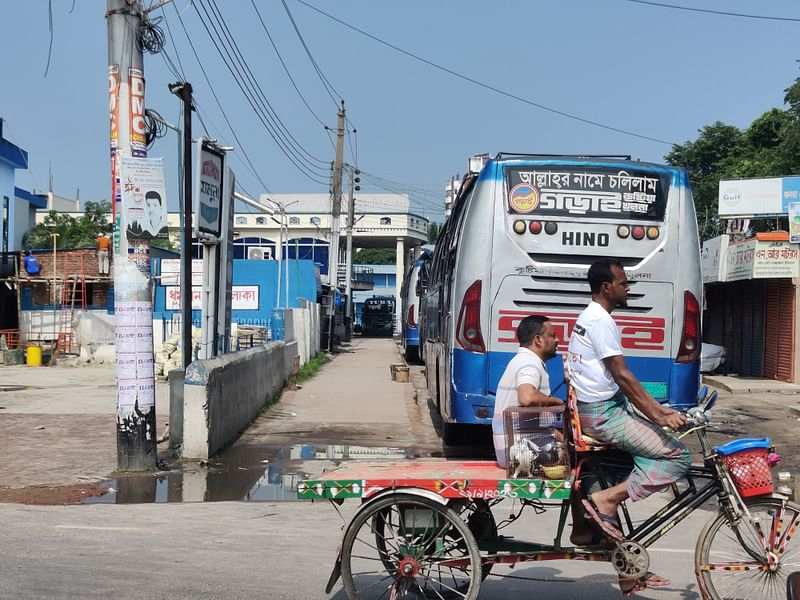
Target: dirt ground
(57, 430)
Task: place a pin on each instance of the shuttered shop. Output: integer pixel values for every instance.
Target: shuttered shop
(779, 328)
(744, 330)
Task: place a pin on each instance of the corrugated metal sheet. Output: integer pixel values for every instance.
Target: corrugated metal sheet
(779, 328)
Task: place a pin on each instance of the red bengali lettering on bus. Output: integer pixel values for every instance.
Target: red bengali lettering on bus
(636, 333)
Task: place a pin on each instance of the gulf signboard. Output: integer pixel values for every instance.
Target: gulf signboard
(753, 197)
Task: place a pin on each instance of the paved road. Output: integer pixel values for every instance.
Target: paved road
(236, 550)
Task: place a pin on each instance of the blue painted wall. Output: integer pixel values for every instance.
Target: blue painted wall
(303, 285)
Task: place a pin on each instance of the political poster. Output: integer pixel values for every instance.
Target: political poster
(144, 198)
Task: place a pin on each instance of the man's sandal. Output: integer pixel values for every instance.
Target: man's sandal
(608, 524)
(630, 586)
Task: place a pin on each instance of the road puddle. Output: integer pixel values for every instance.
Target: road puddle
(241, 473)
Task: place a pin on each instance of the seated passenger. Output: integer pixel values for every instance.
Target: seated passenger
(525, 381)
(604, 387)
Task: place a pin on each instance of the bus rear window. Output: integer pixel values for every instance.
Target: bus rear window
(378, 306)
(587, 191)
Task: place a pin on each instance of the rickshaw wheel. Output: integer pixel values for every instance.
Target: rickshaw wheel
(726, 570)
(406, 546)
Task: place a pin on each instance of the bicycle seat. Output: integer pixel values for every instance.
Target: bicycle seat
(583, 442)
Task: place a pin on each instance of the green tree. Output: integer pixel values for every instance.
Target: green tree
(433, 232)
(72, 233)
(375, 256)
(769, 147)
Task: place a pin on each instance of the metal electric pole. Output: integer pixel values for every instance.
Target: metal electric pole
(352, 171)
(183, 90)
(133, 327)
(336, 211)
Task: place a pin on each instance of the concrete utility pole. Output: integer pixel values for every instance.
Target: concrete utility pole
(136, 404)
(336, 210)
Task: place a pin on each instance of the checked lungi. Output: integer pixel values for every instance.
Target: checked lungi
(659, 459)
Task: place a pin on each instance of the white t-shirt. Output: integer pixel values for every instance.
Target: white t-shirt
(594, 337)
(525, 367)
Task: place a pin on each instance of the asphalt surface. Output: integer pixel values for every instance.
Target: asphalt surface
(238, 550)
(57, 433)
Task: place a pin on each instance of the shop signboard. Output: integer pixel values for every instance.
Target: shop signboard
(794, 222)
(208, 189)
(740, 260)
(243, 297)
(171, 271)
(712, 259)
(761, 259)
(757, 197)
(775, 260)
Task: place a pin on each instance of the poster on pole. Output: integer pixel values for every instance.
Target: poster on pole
(144, 198)
(208, 190)
(794, 222)
(138, 128)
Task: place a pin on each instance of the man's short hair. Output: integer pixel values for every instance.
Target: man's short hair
(529, 328)
(600, 273)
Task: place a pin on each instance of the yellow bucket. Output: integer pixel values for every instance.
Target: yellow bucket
(34, 358)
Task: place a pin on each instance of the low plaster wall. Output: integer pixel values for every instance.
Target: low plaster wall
(223, 395)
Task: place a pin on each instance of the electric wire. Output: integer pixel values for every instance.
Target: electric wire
(283, 63)
(50, 47)
(281, 127)
(417, 188)
(237, 155)
(174, 45)
(263, 116)
(326, 84)
(286, 149)
(149, 36)
(429, 202)
(486, 85)
(154, 127)
(240, 146)
(715, 12)
(13, 138)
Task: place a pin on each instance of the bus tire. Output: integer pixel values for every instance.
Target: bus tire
(412, 354)
(452, 434)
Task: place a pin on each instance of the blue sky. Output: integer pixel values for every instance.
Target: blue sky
(656, 72)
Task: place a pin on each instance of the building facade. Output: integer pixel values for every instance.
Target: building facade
(751, 300)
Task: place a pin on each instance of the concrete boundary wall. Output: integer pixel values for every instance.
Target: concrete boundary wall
(312, 326)
(223, 395)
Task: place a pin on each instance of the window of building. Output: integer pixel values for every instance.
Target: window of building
(386, 220)
(261, 221)
(242, 245)
(309, 249)
(294, 220)
(241, 220)
(315, 220)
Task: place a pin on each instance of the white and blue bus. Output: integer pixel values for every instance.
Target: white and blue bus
(520, 240)
(413, 284)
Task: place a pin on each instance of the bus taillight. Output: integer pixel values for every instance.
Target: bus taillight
(468, 327)
(411, 322)
(690, 337)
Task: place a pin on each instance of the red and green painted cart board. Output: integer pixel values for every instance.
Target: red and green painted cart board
(449, 479)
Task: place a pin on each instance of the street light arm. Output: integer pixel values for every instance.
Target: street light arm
(254, 203)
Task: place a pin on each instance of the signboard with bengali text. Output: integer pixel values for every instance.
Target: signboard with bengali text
(243, 297)
(756, 259)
